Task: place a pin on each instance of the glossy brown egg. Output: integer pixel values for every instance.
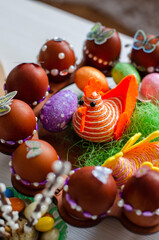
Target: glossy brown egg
(141, 192)
(30, 81)
(33, 169)
(19, 123)
(145, 61)
(58, 58)
(102, 56)
(92, 197)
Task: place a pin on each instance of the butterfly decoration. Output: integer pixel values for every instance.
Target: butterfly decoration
(141, 42)
(33, 148)
(99, 34)
(93, 86)
(5, 102)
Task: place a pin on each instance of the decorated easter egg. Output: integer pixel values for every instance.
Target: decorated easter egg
(89, 193)
(121, 70)
(57, 112)
(145, 52)
(17, 204)
(57, 57)
(30, 81)
(17, 120)
(31, 162)
(140, 200)
(150, 86)
(102, 47)
(83, 75)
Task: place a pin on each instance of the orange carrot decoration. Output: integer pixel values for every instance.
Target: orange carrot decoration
(103, 117)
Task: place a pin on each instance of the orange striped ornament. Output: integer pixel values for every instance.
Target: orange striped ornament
(125, 163)
(100, 120)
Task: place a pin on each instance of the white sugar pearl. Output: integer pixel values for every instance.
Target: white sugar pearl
(44, 47)
(54, 72)
(61, 55)
(138, 212)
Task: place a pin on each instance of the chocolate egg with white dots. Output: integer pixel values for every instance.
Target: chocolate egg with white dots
(57, 112)
(58, 59)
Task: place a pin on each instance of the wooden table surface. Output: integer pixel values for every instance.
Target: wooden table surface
(24, 27)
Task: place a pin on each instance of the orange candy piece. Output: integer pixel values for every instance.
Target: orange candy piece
(17, 204)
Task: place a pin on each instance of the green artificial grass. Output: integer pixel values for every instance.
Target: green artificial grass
(145, 120)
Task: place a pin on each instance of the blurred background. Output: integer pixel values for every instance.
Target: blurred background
(126, 16)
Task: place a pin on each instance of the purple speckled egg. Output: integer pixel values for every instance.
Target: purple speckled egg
(57, 112)
(150, 86)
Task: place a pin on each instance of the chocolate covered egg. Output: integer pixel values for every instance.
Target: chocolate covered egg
(102, 47)
(30, 81)
(57, 112)
(89, 193)
(30, 164)
(140, 197)
(145, 52)
(17, 120)
(58, 59)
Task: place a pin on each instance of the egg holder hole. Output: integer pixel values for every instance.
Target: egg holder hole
(116, 212)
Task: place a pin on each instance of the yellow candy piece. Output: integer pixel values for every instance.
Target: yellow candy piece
(52, 234)
(44, 224)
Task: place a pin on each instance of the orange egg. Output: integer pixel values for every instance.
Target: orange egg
(17, 204)
(83, 75)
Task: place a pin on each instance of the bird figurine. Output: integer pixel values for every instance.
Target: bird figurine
(125, 163)
(102, 117)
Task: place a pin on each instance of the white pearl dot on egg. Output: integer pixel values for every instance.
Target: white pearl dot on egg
(61, 55)
(44, 48)
(71, 69)
(54, 72)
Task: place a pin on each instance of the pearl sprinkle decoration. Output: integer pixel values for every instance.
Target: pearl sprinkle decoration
(44, 198)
